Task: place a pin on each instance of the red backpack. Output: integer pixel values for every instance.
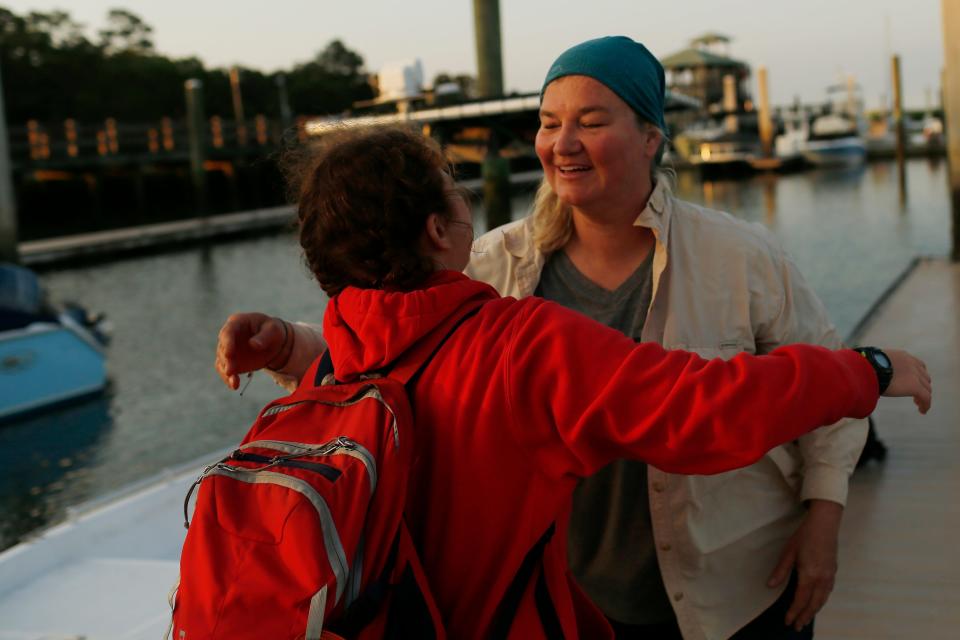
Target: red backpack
(299, 533)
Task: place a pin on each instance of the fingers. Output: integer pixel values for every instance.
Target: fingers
(923, 400)
(910, 378)
(224, 370)
(810, 597)
(800, 601)
(240, 343)
(924, 397)
(264, 334)
(782, 571)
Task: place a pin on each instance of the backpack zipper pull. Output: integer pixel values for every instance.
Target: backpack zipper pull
(346, 443)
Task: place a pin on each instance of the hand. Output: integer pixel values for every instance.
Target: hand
(910, 378)
(247, 342)
(813, 551)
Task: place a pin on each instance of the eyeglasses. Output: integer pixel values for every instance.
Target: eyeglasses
(473, 235)
(466, 194)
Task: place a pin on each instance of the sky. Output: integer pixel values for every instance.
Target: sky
(806, 45)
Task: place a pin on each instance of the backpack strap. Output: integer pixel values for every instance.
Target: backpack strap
(413, 611)
(324, 367)
(408, 369)
(507, 609)
(366, 607)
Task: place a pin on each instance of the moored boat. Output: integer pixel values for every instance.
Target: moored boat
(843, 152)
(48, 356)
(837, 134)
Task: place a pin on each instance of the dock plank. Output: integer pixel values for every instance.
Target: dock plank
(899, 573)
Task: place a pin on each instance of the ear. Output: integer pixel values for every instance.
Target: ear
(652, 142)
(437, 233)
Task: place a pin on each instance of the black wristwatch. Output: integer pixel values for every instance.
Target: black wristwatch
(880, 363)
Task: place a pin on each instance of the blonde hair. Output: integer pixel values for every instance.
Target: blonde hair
(553, 218)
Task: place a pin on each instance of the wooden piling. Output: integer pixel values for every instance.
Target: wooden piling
(166, 129)
(286, 114)
(764, 121)
(730, 105)
(216, 131)
(113, 143)
(240, 121)
(197, 133)
(486, 24)
(496, 183)
(35, 140)
(260, 126)
(8, 205)
(496, 169)
(951, 112)
(70, 134)
(898, 111)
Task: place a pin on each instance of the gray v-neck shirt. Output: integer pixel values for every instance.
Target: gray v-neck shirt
(611, 547)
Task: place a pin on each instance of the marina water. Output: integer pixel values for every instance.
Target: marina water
(847, 229)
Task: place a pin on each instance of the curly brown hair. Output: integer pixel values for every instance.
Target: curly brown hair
(363, 197)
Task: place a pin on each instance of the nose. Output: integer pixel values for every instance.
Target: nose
(567, 141)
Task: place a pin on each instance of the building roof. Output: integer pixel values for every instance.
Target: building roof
(711, 37)
(689, 58)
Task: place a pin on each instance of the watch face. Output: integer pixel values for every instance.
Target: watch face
(882, 359)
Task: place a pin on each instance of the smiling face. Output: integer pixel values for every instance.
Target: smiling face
(595, 153)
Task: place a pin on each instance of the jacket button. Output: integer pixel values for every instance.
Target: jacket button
(665, 546)
(678, 596)
(658, 487)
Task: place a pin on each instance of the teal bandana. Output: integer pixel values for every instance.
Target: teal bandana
(626, 67)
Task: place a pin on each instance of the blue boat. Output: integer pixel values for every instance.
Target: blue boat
(48, 356)
(836, 137)
(839, 151)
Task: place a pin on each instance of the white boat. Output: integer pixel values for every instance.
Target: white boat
(47, 356)
(104, 573)
(834, 140)
(788, 146)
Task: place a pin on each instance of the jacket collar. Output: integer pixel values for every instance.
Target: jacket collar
(656, 215)
(518, 237)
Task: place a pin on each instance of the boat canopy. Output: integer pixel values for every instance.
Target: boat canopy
(21, 297)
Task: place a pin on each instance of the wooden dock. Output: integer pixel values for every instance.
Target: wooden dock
(899, 573)
(115, 242)
(101, 244)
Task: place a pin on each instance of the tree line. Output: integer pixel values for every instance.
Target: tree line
(52, 70)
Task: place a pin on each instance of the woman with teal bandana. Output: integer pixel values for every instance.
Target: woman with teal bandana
(746, 554)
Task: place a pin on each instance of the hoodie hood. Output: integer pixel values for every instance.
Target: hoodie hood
(368, 329)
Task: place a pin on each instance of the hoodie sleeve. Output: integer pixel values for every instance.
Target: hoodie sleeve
(582, 395)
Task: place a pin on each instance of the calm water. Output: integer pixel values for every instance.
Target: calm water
(846, 229)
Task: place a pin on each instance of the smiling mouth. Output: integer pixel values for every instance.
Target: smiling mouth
(573, 169)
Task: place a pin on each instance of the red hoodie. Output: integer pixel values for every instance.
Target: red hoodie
(527, 397)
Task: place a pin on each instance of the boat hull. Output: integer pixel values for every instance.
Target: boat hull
(844, 152)
(46, 364)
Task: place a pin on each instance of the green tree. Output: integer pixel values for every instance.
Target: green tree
(126, 32)
(53, 71)
(330, 83)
